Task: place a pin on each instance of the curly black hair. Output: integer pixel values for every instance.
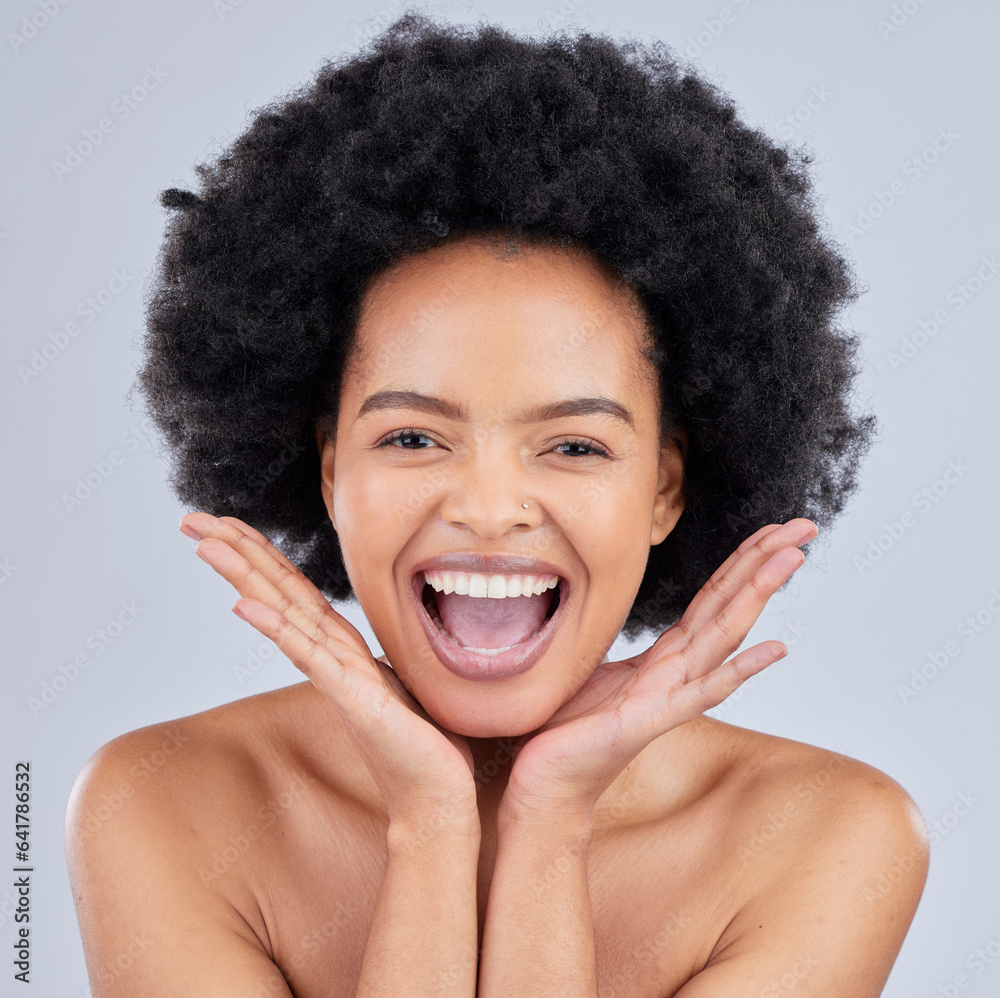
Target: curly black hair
(436, 130)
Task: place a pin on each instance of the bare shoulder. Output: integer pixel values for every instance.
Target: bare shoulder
(830, 857)
(227, 755)
(804, 796)
(165, 827)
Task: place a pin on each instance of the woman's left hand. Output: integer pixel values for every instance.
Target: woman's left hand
(563, 767)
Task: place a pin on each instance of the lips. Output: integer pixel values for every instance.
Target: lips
(505, 664)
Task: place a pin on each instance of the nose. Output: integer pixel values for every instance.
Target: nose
(488, 492)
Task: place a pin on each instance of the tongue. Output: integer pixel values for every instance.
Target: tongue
(482, 622)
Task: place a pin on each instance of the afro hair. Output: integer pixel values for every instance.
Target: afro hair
(435, 130)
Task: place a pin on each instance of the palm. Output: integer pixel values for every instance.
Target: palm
(409, 756)
(403, 713)
(571, 759)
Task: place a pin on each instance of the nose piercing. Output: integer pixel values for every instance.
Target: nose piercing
(524, 505)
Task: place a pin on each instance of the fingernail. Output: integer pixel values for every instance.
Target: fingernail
(238, 614)
(190, 532)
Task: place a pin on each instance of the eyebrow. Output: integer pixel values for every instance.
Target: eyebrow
(400, 399)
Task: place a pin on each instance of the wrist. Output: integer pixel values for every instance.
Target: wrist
(412, 834)
(563, 821)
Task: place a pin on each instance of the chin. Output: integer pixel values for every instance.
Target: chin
(487, 718)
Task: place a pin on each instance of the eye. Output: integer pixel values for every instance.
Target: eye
(586, 445)
(403, 434)
(411, 434)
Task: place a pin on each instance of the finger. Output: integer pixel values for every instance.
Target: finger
(201, 524)
(740, 566)
(349, 689)
(251, 582)
(291, 601)
(255, 574)
(263, 542)
(684, 703)
(723, 635)
(255, 549)
(250, 568)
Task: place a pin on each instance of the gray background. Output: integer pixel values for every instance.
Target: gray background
(880, 97)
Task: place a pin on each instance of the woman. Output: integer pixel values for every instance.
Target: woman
(522, 344)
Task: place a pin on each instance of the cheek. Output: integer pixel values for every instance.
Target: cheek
(371, 519)
(616, 505)
(609, 526)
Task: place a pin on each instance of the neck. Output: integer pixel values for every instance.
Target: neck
(493, 759)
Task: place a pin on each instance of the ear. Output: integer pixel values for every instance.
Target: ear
(669, 501)
(327, 450)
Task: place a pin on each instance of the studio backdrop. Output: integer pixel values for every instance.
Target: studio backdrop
(893, 625)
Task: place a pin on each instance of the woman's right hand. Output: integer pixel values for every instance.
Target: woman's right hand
(423, 772)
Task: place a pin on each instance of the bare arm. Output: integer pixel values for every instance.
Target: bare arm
(423, 938)
(830, 918)
(423, 935)
(151, 927)
(538, 938)
(837, 908)
(808, 913)
(154, 926)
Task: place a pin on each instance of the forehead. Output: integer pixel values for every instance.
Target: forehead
(479, 307)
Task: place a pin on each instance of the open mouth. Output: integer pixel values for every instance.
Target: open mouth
(490, 647)
(495, 632)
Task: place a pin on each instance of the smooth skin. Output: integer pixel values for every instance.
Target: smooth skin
(580, 829)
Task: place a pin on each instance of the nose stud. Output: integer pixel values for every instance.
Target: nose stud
(524, 505)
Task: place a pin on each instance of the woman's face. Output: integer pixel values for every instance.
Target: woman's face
(475, 355)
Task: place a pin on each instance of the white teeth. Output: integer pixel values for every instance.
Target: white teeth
(492, 586)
